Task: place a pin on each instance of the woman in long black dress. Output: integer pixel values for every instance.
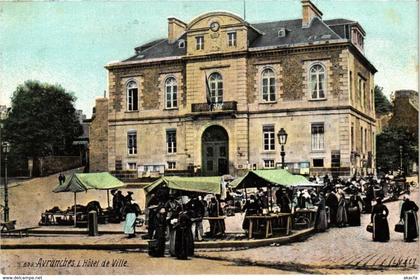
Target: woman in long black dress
(184, 242)
(159, 233)
(380, 223)
(332, 202)
(321, 223)
(354, 211)
(342, 218)
(409, 216)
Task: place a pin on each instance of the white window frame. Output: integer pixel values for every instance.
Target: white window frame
(171, 165)
(270, 136)
(267, 164)
(232, 38)
(132, 147)
(216, 87)
(181, 44)
(171, 145)
(318, 138)
(314, 76)
(131, 87)
(269, 75)
(199, 42)
(171, 96)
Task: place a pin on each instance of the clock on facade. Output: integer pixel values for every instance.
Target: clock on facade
(214, 26)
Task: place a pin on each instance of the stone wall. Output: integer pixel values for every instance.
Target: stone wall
(98, 136)
(54, 164)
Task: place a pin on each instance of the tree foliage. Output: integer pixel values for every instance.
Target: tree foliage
(388, 149)
(42, 120)
(382, 104)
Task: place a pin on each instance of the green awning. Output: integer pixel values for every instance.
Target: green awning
(80, 182)
(190, 184)
(270, 177)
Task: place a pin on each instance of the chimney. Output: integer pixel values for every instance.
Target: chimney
(175, 29)
(309, 11)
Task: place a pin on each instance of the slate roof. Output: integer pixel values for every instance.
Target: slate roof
(318, 31)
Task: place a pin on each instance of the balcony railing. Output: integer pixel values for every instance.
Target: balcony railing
(204, 107)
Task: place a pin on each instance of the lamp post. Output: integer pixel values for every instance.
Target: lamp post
(282, 136)
(6, 150)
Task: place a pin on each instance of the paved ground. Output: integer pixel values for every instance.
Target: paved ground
(339, 248)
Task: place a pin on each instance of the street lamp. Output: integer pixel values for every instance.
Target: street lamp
(282, 136)
(6, 150)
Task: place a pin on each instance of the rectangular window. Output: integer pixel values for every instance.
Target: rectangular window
(361, 139)
(232, 39)
(199, 42)
(318, 162)
(171, 165)
(171, 141)
(268, 138)
(269, 163)
(372, 98)
(132, 142)
(363, 94)
(133, 99)
(317, 131)
(352, 137)
(373, 142)
(366, 140)
(132, 166)
(351, 85)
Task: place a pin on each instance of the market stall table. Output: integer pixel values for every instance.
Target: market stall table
(268, 221)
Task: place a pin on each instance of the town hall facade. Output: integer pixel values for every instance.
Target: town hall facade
(212, 96)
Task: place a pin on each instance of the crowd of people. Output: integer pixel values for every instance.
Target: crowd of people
(178, 217)
(125, 209)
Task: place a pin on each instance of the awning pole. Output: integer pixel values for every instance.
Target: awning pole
(271, 199)
(75, 209)
(107, 196)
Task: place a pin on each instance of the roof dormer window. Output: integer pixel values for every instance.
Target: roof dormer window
(282, 32)
(358, 38)
(181, 44)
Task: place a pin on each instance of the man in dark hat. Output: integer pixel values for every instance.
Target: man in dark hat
(61, 178)
(117, 203)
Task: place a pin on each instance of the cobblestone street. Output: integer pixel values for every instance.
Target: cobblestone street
(339, 248)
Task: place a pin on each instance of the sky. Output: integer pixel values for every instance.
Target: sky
(69, 43)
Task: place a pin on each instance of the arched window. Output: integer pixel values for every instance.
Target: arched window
(216, 88)
(171, 93)
(132, 96)
(317, 81)
(268, 85)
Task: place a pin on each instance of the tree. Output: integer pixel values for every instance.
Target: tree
(388, 149)
(382, 104)
(42, 120)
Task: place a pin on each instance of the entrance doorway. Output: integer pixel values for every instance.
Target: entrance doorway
(214, 152)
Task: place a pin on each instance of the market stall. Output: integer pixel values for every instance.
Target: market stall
(270, 179)
(82, 182)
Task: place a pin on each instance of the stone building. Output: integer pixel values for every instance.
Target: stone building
(212, 96)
